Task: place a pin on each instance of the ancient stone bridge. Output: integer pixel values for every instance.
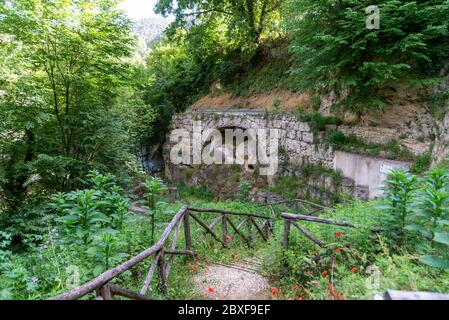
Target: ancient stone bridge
(300, 144)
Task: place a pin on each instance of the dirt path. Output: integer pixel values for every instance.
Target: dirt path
(238, 281)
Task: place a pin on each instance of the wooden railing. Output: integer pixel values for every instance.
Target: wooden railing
(290, 219)
(298, 206)
(105, 290)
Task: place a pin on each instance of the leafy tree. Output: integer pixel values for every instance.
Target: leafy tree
(335, 51)
(246, 20)
(64, 66)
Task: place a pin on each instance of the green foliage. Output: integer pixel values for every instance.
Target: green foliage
(244, 22)
(421, 163)
(420, 206)
(87, 212)
(202, 191)
(245, 190)
(317, 121)
(312, 182)
(351, 143)
(64, 74)
(82, 218)
(155, 188)
(397, 197)
(5, 242)
(105, 251)
(335, 51)
(431, 216)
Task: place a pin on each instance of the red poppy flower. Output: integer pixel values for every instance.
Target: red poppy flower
(210, 290)
(338, 234)
(228, 238)
(354, 270)
(324, 273)
(186, 264)
(337, 250)
(274, 291)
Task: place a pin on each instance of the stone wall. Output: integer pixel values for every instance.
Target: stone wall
(296, 138)
(299, 145)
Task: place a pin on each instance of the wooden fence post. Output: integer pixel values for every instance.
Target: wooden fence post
(266, 228)
(187, 237)
(104, 293)
(224, 223)
(162, 274)
(286, 233)
(287, 225)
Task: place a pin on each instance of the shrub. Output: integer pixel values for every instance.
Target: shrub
(431, 217)
(88, 211)
(421, 163)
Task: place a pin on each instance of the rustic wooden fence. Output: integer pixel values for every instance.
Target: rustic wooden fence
(105, 290)
(291, 219)
(300, 206)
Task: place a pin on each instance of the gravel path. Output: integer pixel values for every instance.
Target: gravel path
(238, 281)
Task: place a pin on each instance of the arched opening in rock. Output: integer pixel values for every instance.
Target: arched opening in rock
(234, 146)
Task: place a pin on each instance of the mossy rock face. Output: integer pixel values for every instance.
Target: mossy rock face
(314, 182)
(309, 181)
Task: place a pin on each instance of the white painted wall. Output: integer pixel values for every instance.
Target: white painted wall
(366, 171)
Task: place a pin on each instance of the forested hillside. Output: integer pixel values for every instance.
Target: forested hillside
(86, 97)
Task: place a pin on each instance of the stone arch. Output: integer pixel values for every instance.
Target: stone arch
(231, 149)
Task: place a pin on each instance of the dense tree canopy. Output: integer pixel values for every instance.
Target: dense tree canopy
(335, 50)
(63, 72)
(246, 20)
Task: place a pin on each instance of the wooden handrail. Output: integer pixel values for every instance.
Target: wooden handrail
(110, 274)
(207, 210)
(291, 216)
(101, 283)
(297, 201)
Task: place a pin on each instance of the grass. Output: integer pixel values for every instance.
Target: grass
(356, 265)
(362, 268)
(317, 121)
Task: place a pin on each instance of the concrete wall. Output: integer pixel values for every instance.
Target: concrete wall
(366, 171)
